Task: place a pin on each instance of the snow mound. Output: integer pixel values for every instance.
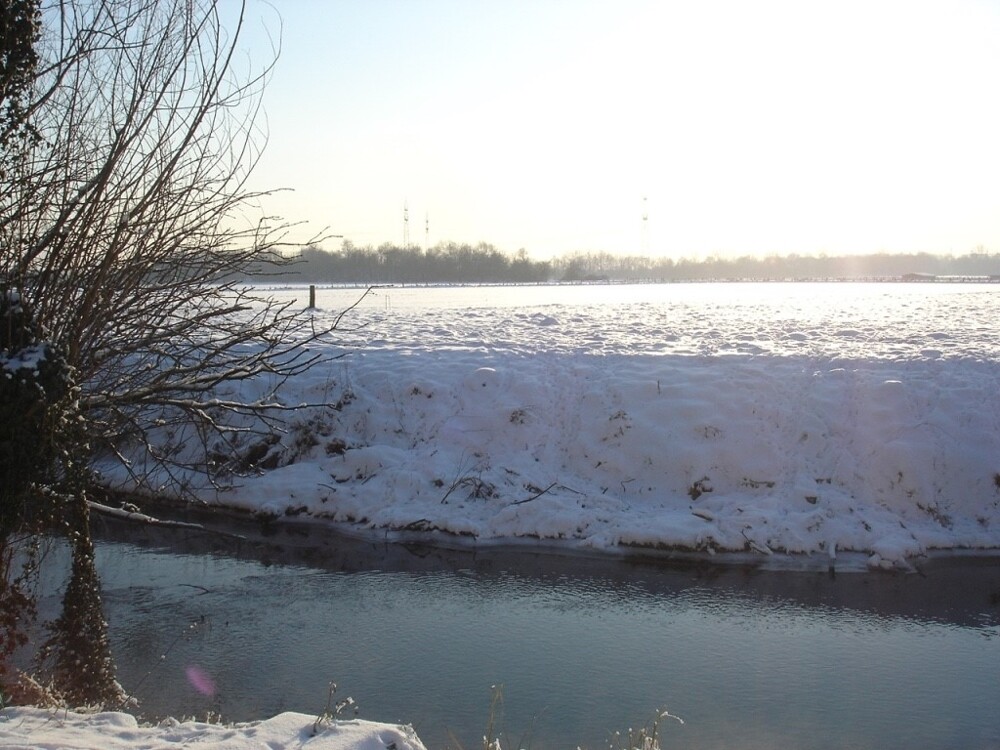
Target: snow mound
(696, 425)
(47, 729)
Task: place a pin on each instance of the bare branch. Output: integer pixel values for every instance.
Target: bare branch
(128, 229)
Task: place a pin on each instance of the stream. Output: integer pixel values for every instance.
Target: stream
(260, 620)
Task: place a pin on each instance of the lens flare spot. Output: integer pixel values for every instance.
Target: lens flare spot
(200, 680)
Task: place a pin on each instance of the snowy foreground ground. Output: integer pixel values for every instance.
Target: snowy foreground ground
(762, 418)
(46, 729)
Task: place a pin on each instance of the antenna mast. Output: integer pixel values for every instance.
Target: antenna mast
(645, 227)
(406, 225)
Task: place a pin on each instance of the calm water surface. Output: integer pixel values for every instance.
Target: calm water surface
(582, 647)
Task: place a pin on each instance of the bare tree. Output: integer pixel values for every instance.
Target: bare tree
(126, 228)
(129, 131)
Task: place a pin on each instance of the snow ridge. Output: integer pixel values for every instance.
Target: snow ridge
(606, 427)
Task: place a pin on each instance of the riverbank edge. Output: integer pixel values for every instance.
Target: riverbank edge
(262, 527)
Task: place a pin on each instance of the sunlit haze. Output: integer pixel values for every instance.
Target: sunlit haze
(735, 128)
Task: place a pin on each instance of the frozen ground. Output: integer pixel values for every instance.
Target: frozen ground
(759, 418)
(49, 729)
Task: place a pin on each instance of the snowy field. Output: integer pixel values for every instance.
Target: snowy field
(810, 419)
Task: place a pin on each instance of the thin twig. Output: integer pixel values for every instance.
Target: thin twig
(133, 517)
(535, 496)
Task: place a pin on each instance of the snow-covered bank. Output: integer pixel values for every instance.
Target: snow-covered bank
(43, 729)
(718, 425)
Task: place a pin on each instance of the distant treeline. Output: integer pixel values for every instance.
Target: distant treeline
(484, 263)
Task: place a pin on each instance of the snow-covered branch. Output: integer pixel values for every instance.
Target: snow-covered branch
(130, 229)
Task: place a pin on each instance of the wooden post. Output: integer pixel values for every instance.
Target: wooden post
(312, 296)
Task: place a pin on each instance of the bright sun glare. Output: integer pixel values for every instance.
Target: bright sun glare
(769, 127)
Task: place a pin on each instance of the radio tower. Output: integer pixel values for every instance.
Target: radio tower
(645, 227)
(427, 232)
(406, 225)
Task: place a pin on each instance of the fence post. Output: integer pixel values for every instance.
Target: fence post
(312, 296)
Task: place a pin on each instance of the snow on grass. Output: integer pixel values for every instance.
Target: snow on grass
(811, 419)
(50, 729)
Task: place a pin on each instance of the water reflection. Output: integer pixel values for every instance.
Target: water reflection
(748, 658)
(963, 590)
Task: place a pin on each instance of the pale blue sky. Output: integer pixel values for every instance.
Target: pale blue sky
(750, 127)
